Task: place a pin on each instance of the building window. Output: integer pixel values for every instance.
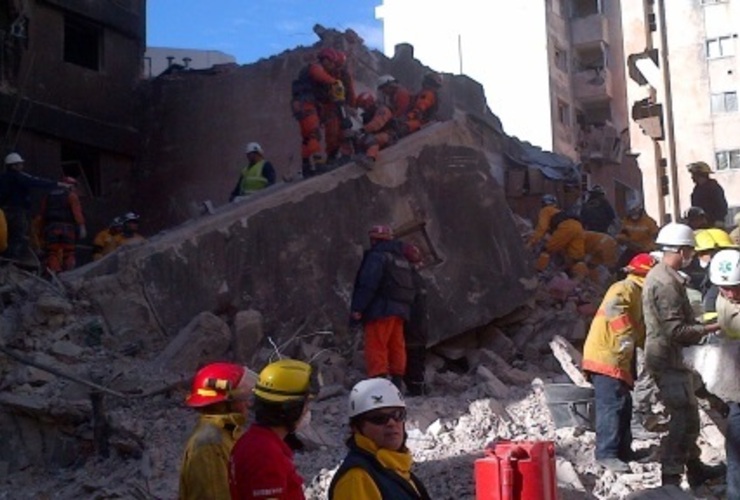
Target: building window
(563, 113)
(722, 46)
(82, 42)
(561, 59)
(728, 160)
(585, 8)
(724, 102)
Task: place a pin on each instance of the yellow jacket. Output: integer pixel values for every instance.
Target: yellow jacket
(3, 232)
(639, 234)
(568, 239)
(356, 484)
(543, 223)
(204, 472)
(601, 249)
(616, 330)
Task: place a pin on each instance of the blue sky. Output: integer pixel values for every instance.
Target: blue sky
(253, 29)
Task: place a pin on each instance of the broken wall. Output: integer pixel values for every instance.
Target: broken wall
(292, 252)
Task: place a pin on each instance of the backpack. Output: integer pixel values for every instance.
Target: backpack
(398, 279)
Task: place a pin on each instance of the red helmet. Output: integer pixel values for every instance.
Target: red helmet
(341, 57)
(366, 100)
(331, 55)
(380, 232)
(640, 264)
(412, 253)
(219, 382)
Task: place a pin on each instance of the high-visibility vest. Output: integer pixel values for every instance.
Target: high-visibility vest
(252, 178)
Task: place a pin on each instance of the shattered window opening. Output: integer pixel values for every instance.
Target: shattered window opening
(82, 42)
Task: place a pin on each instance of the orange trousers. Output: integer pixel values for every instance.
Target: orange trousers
(385, 348)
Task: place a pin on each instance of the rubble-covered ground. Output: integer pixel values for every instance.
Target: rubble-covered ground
(485, 386)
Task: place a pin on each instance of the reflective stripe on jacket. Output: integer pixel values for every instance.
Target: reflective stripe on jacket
(252, 179)
(205, 464)
(370, 473)
(616, 330)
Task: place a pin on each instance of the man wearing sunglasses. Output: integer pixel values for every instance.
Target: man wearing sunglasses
(378, 464)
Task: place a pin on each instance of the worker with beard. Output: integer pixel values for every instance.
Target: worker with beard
(378, 464)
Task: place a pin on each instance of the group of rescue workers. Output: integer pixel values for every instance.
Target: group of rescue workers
(649, 309)
(59, 227)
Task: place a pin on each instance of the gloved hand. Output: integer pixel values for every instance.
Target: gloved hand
(82, 231)
(337, 91)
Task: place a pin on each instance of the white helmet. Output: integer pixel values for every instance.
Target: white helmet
(674, 235)
(13, 158)
(724, 270)
(385, 80)
(373, 393)
(254, 147)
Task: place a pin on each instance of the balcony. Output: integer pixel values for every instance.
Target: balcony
(592, 85)
(589, 30)
(600, 144)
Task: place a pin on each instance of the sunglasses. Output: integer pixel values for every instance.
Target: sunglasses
(382, 418)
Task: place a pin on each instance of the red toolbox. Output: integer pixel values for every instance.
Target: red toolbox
(517, 470)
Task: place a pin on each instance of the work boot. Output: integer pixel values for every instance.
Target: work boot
(698, 473)
(614, 465)
(307, 169)
(671, 479)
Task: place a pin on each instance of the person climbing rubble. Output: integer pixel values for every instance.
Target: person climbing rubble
(424, 106)
(261, 463)
(601, 250)
(708, 194)
(416, 330)
(670, 326)
(258, 174)
(565, 246)
(220, 393)
(378, 463)
(609, 359)
(724, 272)
(104, 241)
(708, 243)
(378, 131)
(637, 232)
(318, 94)
(597, 213)
(63, 225)
(395, 96)
(15, 201)
(381, 300)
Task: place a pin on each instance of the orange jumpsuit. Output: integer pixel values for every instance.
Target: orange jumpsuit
(423, 111)
(379, 132)
(61, 214)
(568, 239)
(543, 223)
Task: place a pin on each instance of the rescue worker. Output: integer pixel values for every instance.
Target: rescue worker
(567, 243)
(258, 174)
(735, 233)
(378, 129)
(382, 297)
(708, 194)
(638, 230)
(316, 94)
(609, 357)
(670, 326)
(416, 330)
(220, 394)
(378, 464)
(597, 213)
(104, 241)
(425, 105)
(549, 208)
(63, 223)
(261, 464)
(15, 201)
(696, 218)
(396, 97)
(130, 230)
(724, 272)
(601, 249)
(708, 243)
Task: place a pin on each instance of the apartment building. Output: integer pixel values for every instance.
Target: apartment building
(68, 74)
(694, 92)
(553, 71)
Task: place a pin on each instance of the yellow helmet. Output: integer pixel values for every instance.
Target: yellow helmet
(712, 239)
(284, 380)
(699, 167)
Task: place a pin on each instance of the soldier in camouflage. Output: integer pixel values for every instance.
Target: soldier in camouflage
(671, 326)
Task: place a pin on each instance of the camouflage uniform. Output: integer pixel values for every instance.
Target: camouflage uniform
(670, 325)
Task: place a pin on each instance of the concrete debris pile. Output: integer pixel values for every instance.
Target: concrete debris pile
(111, 425)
